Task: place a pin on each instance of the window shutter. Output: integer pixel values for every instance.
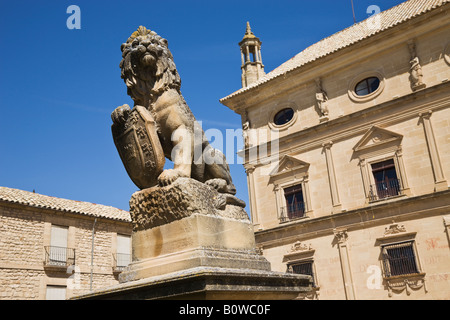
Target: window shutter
(56, 293)
(59, 237)
(58, 245)
(123, 244)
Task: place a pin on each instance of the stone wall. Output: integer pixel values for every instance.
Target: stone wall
(24, 233)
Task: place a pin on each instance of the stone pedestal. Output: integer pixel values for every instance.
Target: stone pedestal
(209, 283)
(188, 243)
(195, 241)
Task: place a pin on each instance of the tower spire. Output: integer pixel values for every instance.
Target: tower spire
(252, 66)
(248, 31)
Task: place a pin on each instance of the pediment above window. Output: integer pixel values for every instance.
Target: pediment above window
(375, 137)
(289, 164)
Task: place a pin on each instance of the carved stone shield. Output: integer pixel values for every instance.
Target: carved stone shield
(139, 147)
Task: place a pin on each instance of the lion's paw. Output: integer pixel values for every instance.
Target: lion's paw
(120, 115)
(221, 186)
(168, 176)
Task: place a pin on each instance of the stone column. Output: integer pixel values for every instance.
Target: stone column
(247, 54)
(365, 177)
(306, 193)
(440, 183)
(401, 168)
(341, 238)
(252, 197)
(278, 200)
(337, 207)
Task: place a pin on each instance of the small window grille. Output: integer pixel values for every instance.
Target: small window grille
(399, 259)
(305, 268)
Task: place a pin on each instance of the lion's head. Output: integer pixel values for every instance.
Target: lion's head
(147, 66)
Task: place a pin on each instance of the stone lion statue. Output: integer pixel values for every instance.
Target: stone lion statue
(153, 82)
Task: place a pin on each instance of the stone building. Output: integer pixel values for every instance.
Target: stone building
(52, 248)
(347, 154)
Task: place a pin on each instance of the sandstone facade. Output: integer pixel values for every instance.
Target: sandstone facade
(327, 155)
(26, 221)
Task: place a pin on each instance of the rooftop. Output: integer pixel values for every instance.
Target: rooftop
(347, 37)
(72, 206)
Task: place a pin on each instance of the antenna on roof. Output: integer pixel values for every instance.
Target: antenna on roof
(353, 9)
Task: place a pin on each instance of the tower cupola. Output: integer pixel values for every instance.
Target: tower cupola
(252, 66)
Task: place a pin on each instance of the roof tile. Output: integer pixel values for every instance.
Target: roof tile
(46, 202)
(358, 32)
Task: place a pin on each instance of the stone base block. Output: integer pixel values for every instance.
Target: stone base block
(195, 241)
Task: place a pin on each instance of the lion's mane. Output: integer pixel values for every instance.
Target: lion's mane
(147, 66)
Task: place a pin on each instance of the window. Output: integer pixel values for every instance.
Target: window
(291, 189)
(56, 293)
(123, 256)
(57, 254)
(381, 161)
(367, 86)
(399, 259)
(305, 268)
(295, 205)
(283, 117)
(386, 182)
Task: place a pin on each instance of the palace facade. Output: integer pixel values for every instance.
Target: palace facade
(347, 154)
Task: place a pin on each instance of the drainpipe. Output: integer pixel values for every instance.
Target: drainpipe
(92, 252)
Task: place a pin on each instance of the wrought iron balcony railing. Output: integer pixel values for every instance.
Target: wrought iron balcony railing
(292, 212)
(121, 261)
(385, 189)
(59, 256)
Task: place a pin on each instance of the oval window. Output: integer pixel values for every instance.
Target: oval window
(367, 86)
(283, 117)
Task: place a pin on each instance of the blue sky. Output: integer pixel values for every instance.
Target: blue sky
(58, 87)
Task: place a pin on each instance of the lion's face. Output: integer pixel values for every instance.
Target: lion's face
(147, 64)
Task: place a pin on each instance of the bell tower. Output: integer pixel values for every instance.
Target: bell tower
(252, 66)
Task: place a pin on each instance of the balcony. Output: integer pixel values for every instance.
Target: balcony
(292, 212)
(121, 261)
(59, 257)
(385, 189)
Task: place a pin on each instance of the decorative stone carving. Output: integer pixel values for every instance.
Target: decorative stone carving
(400, 284)
(341, 235)
(245, 131)
(154, 84)
(416, 76)
(300, 247)
(136, 139)
(394, 228)
(321, 100)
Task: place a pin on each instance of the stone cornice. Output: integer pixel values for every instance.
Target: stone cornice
(372, 215)
(338, 60)
(384, 114)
